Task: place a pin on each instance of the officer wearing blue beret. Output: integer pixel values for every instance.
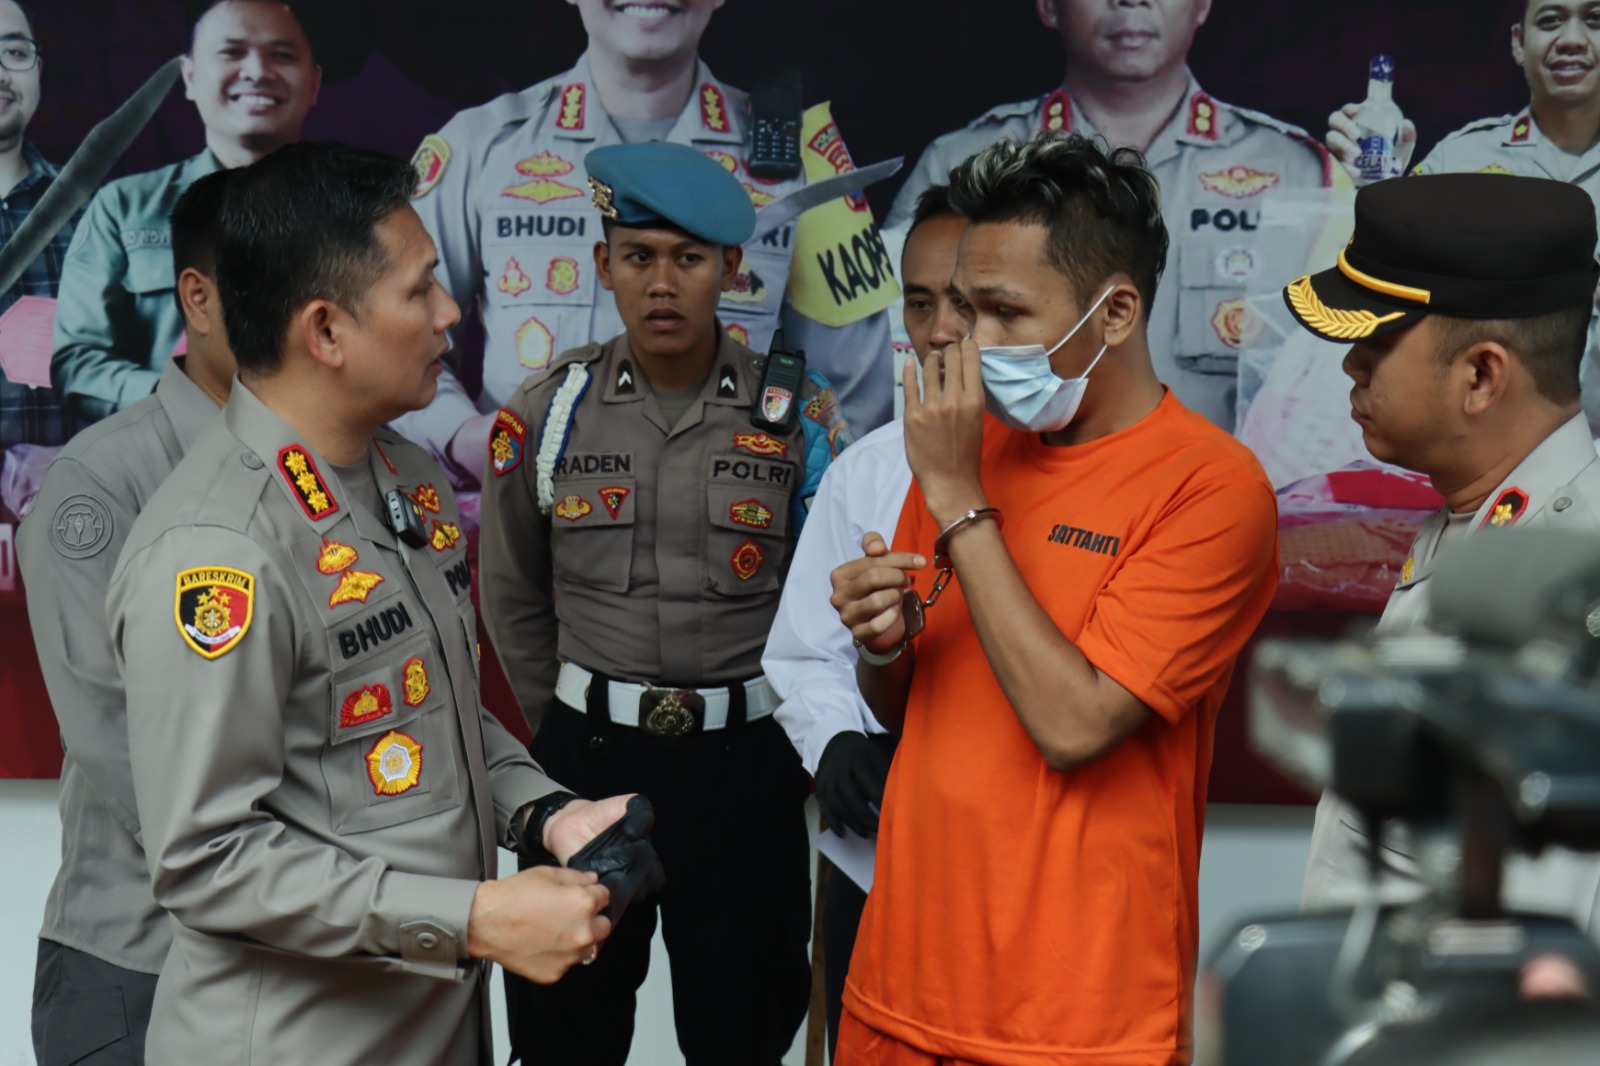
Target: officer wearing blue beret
(639, 512)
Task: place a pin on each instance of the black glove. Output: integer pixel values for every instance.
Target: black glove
(621, 854)
(850, 776)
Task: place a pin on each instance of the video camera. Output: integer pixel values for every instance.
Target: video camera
(1479, 737)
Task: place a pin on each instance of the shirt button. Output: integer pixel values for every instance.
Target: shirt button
(1563, 503)
(252, 461)
(427, 941)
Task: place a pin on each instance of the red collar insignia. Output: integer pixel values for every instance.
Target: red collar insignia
(305, 481)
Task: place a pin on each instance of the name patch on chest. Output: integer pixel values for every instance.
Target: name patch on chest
(374, 630)
(595, 463)
(1087, 539)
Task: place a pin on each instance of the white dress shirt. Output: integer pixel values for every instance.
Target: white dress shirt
(810, 659)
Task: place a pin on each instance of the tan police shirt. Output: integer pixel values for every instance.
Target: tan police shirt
(320, 790)
(663, 555)
(100, 901)
(1556, 487)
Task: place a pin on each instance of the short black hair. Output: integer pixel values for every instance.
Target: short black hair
(199, 9)
(194, 226)
(27, 16)
(933, 202)
(1101, 207)
(301, 224)
(1550, 345)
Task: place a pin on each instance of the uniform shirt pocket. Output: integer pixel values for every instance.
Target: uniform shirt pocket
(591, 531)
(150, 271)
(389, 757)
(748, 537)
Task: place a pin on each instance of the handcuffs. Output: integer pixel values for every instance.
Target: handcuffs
(913, 606)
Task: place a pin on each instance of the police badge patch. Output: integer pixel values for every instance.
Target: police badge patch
(416, 682)
(394, 764)
(761, 444)
(574, 507)
(335, 557)
(213, 607)
(613, 496)
(747, 559)
(367, 703)
(81, 527)
(775, 403)
(752, 513)
(505, 442)
(354, 587)
(431, 157)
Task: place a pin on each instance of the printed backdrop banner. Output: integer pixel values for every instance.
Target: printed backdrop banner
(1251, 200)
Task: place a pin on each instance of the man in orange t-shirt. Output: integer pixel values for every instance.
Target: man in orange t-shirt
(1039, 843)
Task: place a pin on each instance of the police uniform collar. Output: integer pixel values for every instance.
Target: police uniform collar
(1523, 131)
(307, 480)
(1533, 485)
(726, 384)
(583, 119)
(198, 166)
(188, 407)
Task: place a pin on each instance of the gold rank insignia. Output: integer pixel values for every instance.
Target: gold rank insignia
(1056, 114)
(739, 333)
(542, 190)
(427, 498)
(366, 704)
(572, 107)
(574, 507)
(416, 682)
(354, 587)
(747, 559)
(1506, 509)
(213, 607)
(445, 535)
(1332, 322)
(752, 513)
(713, 109)
(612, 496)
(1408, 569)
(760, 444)
(1203, 117)
(335, 557)
(1521, 128)
(305, 482)
(544, 165)
(394, 764)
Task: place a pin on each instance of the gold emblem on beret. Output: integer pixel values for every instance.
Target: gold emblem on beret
(1331, 321)
(604, 198)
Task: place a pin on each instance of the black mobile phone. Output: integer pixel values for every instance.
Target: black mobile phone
(405, 518)
(778, 397)
(775, 127)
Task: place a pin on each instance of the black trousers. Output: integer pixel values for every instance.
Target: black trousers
(735, 913)
(842, 904)
(87, 1010)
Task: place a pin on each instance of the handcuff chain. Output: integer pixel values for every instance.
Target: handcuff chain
(946, 571)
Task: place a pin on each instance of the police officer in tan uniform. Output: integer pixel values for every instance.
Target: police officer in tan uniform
(104, 938)
(320, 792)
(1467, 298)
(1218, 164)
(638, 519)
(501, 190)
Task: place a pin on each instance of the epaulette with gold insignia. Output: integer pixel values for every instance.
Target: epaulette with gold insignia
(300, 471)
(1055, 113)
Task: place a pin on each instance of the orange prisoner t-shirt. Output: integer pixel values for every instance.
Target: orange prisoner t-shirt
(1023, 915)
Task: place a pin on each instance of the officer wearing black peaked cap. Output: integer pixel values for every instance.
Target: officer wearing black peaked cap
(1467, 299)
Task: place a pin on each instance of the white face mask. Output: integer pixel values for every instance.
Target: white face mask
(1022, 391)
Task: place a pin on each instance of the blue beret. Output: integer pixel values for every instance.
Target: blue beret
(656, 183)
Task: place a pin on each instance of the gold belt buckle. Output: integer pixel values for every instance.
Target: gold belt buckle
(671, 712)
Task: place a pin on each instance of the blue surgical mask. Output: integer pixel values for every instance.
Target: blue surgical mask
(1022, 391)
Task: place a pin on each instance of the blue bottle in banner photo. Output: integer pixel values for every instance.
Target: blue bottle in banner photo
(1379, 119)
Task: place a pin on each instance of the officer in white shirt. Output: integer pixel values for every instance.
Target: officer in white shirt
(810, 660)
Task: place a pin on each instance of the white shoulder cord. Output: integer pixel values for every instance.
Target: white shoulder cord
(553, 441)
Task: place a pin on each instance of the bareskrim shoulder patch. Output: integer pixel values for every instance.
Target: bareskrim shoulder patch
(431, 157)
(213, 606)
(305, 482)
(81, 527)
